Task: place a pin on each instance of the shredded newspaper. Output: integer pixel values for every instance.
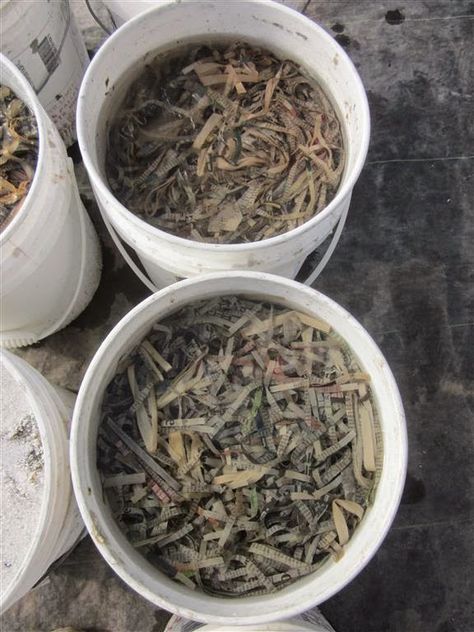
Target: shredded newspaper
(239, 446)
(225, 145)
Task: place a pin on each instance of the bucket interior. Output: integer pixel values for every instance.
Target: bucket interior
(284, 32)
(13, 78)
(307, 591)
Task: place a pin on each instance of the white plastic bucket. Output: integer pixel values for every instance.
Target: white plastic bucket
(312, 621)
(112, 543)
(168, 258)
(43, 41)
(124, 10)
(49, 252)
(59, 524)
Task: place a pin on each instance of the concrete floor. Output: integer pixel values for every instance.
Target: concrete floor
(404, 268)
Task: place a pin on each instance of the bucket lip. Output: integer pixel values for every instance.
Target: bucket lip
(110, 546)
(99, 182)
(35, 106)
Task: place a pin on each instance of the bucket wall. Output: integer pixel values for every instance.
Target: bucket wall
(60, 524)
(49, 251)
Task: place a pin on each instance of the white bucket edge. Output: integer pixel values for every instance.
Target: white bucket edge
(53, 166)
(52, 411)
(306, 593)
(118, 214)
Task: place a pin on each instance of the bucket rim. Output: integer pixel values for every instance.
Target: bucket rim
(99, 182)
(40, 116)
(114, 546)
